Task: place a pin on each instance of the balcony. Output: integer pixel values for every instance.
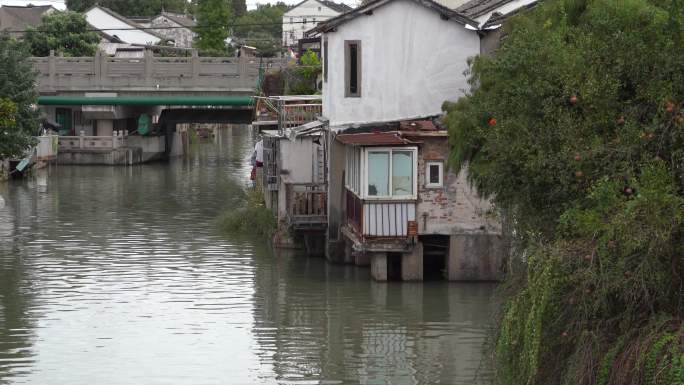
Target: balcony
(307, 205)
(381, 218)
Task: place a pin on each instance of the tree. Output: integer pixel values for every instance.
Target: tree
(131, 7)
(213, 27)
(301, 79)
(18, 97)
(575, 129)
(266, 18)
(239, 7)
(64, 32)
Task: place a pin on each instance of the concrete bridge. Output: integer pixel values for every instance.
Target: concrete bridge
(103, 96)
(148, 75)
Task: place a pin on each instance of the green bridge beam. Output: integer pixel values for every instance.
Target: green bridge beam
(238, 101)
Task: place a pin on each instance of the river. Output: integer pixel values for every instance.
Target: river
(117, 275)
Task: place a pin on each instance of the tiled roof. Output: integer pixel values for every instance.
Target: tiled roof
(475, 8)
(180, 20)
(339, 7)
(18, 17)
(369, 7)
(372, 139)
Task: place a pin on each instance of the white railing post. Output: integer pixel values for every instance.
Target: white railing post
(81, 139)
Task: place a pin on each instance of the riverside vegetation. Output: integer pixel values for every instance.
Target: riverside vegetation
(575, 129)
(251, 215)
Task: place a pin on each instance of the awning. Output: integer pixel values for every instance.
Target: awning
(145, 101)
(372, 139)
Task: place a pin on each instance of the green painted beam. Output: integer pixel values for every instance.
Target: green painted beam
(146, 101)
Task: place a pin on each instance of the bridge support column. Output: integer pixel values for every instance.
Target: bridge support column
(105, 127)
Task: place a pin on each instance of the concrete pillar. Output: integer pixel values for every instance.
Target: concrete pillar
(475, 257)
(52, 69)
(195, 65)
(105, 127)
(149, 63)
(361, 259)
(379, 266)
(412, 264)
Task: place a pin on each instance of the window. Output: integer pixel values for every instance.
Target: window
(353, 170)
(391, 173)
(434, 174)
(292, 20)
(352, 68)
(319, 9)
(325, 60)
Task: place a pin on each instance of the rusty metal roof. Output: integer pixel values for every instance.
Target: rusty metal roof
(372, 139)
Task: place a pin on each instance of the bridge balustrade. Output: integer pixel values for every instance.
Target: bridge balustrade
(113, 74)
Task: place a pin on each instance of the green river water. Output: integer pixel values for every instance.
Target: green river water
(119, 276)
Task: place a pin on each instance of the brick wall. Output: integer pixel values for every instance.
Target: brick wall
(454, 208)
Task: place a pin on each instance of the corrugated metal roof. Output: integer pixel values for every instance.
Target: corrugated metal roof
(372, 139)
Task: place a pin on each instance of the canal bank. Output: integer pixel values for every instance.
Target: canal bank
(118, 276)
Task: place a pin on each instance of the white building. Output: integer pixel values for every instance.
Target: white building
(306, 15)
(117, 28)
(388, 66)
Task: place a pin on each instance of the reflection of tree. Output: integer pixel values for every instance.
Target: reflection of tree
(323, 322)
(15, 297)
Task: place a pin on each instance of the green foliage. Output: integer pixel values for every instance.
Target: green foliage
(213, 27)
(262, 28)
(301, 78)
(64, 32)
(18, 96)
(252, 218)
(575, 129)
(131, 7)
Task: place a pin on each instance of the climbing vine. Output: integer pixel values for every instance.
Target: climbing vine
(575, 127)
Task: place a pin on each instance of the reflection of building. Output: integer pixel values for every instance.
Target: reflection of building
(329, 323)
(306, 15)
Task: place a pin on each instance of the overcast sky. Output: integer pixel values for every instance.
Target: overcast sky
(59, 4)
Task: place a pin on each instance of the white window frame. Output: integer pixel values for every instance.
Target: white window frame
(364, 175)
(440, 164)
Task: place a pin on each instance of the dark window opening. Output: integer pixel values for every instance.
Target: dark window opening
(325, 61)
(434, 173)
(352, 69)
(435, 253)
(394, 266)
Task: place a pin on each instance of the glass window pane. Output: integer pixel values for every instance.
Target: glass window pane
(378, 173)
(434, 174)
(402, 173)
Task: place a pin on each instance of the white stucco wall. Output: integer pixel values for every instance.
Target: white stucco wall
(412, 61)
(298, 158)
(102, 20)
(310, 11)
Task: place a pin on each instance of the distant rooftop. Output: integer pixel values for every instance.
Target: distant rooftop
(18, 18)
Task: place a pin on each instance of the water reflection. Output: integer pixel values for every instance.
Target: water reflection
(317, 321)
(117, 276)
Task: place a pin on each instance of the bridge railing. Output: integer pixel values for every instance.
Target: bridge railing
(84, 142)
(104, 73)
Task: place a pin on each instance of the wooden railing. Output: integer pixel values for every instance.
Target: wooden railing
(307, 204)
(381, 218)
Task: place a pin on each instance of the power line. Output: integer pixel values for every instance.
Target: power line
(176, 27)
